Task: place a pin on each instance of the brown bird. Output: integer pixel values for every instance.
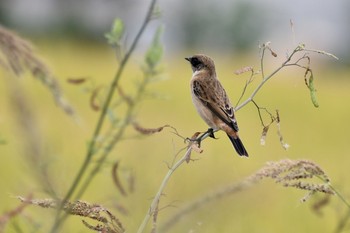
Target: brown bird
(211, 101)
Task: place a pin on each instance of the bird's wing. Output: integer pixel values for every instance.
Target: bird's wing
(213, 96)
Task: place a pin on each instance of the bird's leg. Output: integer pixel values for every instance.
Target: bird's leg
(209, 132)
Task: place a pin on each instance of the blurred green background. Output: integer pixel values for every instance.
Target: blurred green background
(68, 35)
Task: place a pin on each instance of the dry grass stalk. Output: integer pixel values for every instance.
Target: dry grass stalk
(298, 174)
(107, 222)
(31, 138)
(17, 55)
(290, 173)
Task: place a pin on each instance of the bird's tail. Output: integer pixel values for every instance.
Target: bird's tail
(238, 145)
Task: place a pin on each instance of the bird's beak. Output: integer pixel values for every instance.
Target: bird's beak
(188, 59)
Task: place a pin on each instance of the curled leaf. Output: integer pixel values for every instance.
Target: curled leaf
(93, 99)
(116, 179)
(310, 84)
(148, 131)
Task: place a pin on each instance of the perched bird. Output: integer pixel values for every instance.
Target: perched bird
(211, 101)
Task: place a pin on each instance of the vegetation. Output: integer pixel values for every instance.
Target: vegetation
(122, 166)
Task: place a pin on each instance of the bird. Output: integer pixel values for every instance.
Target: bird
(211, 101)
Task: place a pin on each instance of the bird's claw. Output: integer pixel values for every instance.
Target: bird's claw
(210, 132)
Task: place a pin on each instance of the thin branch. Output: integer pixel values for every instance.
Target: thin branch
(251, 78)
(265, 79)
(154, 205)
(155, 202)
(101, 120)
(260, 116)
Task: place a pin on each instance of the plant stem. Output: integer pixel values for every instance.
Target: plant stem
(165, 181)
(116, 138)
(265, 79)
(101, 120)
(155, 202)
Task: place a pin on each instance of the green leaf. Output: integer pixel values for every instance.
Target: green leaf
(155, 52)
(312, 89)
(117, 31)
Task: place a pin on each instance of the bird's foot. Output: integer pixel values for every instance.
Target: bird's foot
(198, 140)
(210, 132)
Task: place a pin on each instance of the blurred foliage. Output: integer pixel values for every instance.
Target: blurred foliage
(155, 52)
(303, 128)
(115, 35)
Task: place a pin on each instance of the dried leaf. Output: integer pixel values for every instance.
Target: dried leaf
(284, 145)
(196, 148)
(244, 70)
(148, 131)
(116, 179)
(263, 135)
(193, 145)
(76, 80)
(273, 53)
(93, 99)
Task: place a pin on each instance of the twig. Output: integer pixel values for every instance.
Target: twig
(154, 205)
(165, 181)
(265, 79)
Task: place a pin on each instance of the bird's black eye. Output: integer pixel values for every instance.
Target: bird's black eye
(196, 62)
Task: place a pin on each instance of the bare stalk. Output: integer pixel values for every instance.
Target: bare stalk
(101, 120)
(298, 174)
(265, 79)
(154, 205)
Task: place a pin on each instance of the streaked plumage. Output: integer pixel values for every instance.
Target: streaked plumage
(211, 100)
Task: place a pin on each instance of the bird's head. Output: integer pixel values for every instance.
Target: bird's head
(201, 62)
